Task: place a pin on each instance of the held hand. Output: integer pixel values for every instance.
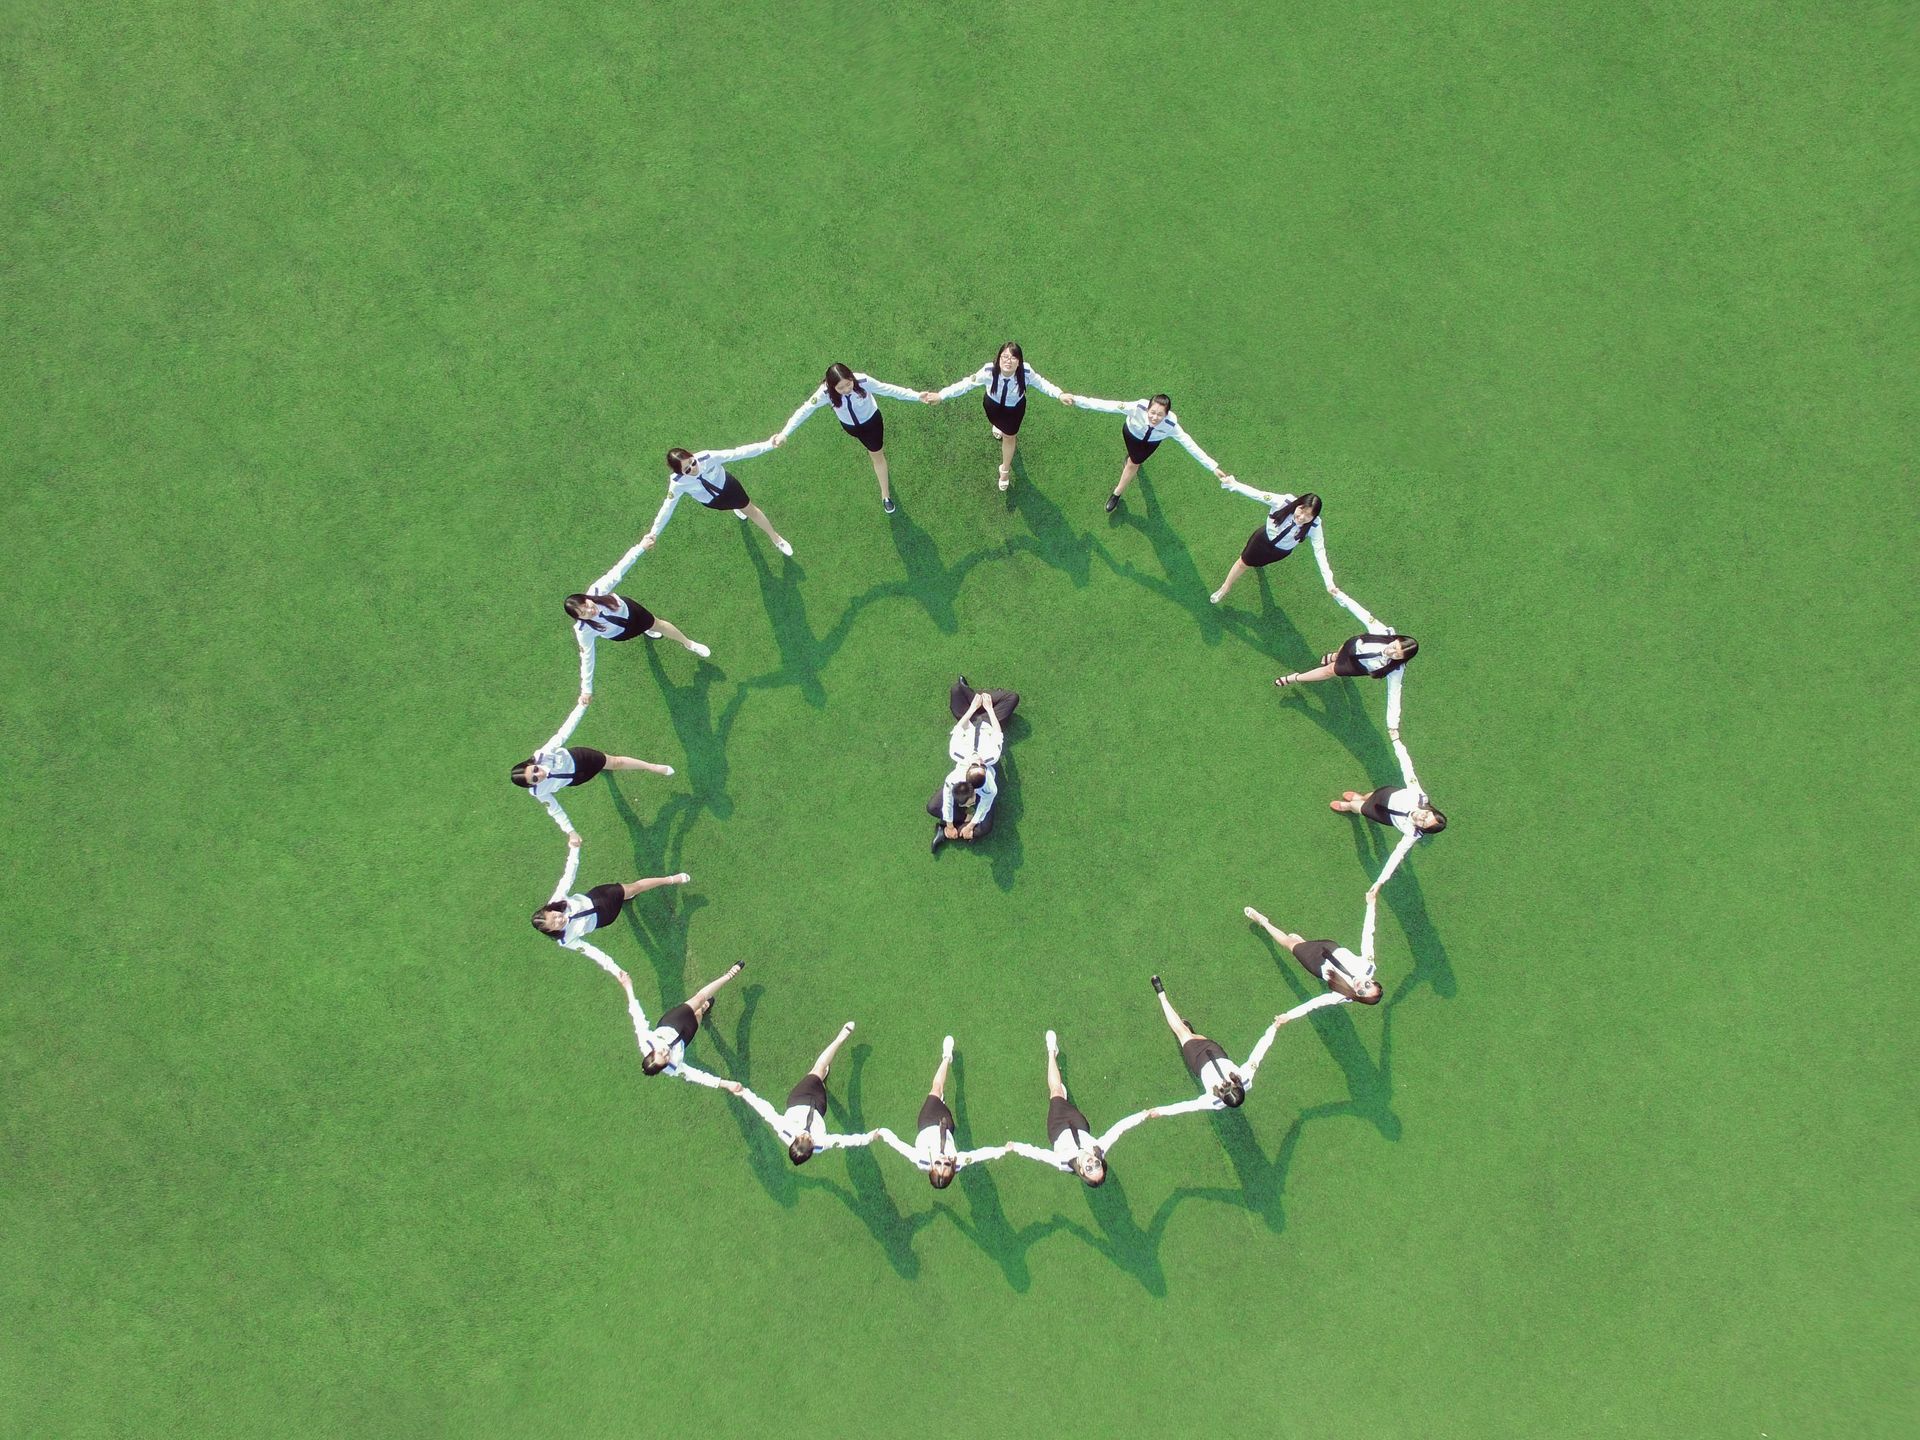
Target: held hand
(1224, 478)
(585, 696)
(1221, 473)
(777, 441)
(966, 832)
(1393, 732)
(573, 839)
(927, 397)
(1373, 893)
(735, 1087)
(953, 832)
(1066, 400)
(646, 543)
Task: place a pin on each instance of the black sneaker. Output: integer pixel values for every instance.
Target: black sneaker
(1158, 988)
(1113, 502)
(939, 836)
(887, 504)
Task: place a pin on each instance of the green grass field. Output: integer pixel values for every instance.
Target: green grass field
(343, 340)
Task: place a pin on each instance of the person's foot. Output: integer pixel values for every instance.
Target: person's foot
(782, 546)
(653, 634)
(847, 1029)
(963, 683)
(697, 648)
(1006, 478)
(1253, 915)
(939, 835)
(1337, 806)
(740, 514)
(1053, 1043)
(738, 966)
(946, 1048)
(1158, 988)
(1217, 596)
(1113, 502)
(661, 769)
(681, 879)
(886, 503)
(1286, 680)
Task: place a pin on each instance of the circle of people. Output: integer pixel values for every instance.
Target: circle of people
(962, 809)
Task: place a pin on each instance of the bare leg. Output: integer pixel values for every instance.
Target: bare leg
(640, 887)
(939, 1086)
(1007, 444)
(702, 1000)
(1348, 803)
(825, 1062)
(1280, 937)
(879, 458)
(1055, 1085)
(1238, 569)
(627, 762)
(1127, 472)
(759, 517)
(1307, 677)
(1182, 1031)
(674, 632)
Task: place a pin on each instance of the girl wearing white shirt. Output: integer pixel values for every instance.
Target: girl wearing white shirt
(851, 394)
(663, 1046)
(1217, 1075)
(568, 918)
(703, 475)
(804, 1125)
(1404, 806)
(1071, 1138)
(546, 772)
(1006, 378)
(1147, 423)
(616, 617)
(1334, 966)
(1377, 656)
(1294, 518)
(933, 1147)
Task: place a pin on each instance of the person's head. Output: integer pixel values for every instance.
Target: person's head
(1403, 647)
(527, 774)
(584, 607)
(840, 380)
(550, 919)
(940, 1173)
(1091, 1165)
(680, 462)
(801, 1150)
(1009, 360)
(962, 794)
(1230, 1092)
(655, 1060)
(1368, 993)
(1306, 509)
(1426, 819)
(976, 775)
(1158, 408)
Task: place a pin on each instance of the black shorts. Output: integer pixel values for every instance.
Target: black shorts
(1345, 662)
(732, 496)
(1139, 451)
(680, 1019)
(1312, 954)
(871, 432)
(933, 1111)
(587, 763)
(1198, 1051)
(1005, 418)
(607, 900)
(1260, 551)
(811, 1091)
(637, 621)
(1374, 807)
(1062, 1116)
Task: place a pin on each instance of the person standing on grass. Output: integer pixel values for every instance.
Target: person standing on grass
(1335, 966)
(617, 617)
(851, 394)
(1225, 1083)
(933, 1149)
(1405, 807)
(664, 1046)
(1147, 423)
(567, 918)
(1074, 1147)
(962, 807)
(1006, 378)
(803, 1125)
(1294, 518)
(703, 475)
(546, 772)
(1375, 656)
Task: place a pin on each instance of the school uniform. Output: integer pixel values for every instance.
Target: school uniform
(935, 1138)
(586, 913)
(619, 618)
(710, 483)
(1068, 1133)
(1394, 805)
(979, 814)
(1367, 655)
(1208, 1062)
(960, 700)
(1141, 438)
(676, 1028)
(858, 412)
(1006, 399)
(806, 1112)
(1323, 959)
(1280, 536)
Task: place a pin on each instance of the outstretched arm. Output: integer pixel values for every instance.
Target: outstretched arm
(887, 1137)
(606, 584)
(559, 816)
(1034, 1152)
(812, 403)
(760, 1107)
(979, 1157)
(857, 1141)
(1317, 537)
(1044, 385)
(1266, 497)
(892, 392)
(741, 452)
(972, 381)
(566, 875)
(1395, 683)
(1120, 1127)
(1192, 447)
(1407, 777)
(660, 520)
(694, 1075)
(1110, 407)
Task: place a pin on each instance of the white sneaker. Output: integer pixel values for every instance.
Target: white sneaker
(666, 770)
(946, 1048)
(1053, 1042)
(652, 634)
(847, 1029)
(740, 514)
(1216, 597)
(783, 547)
(697, 648)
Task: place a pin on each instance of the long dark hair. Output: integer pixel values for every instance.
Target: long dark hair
(550, 908)
(574, 602)
(1285, 512)
(1019, 365)
(677, 457)
(1439, 820)
(521, 775)
(837, 372)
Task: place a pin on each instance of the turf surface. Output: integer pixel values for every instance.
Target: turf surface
(344, 340)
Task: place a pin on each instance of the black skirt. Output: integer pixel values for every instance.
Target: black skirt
(587, 763)
(1005, 418)
(637, 621)
(1374, 807)
(1345, 662)
(731, 497)
(810, 1091)
(607, 900)
(933, 1111)
(1260, 551)
(870, 432)
(1062, 1116)
(680, 1019)
(1198, 1051)
(1312, 954)
(1139, 451)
